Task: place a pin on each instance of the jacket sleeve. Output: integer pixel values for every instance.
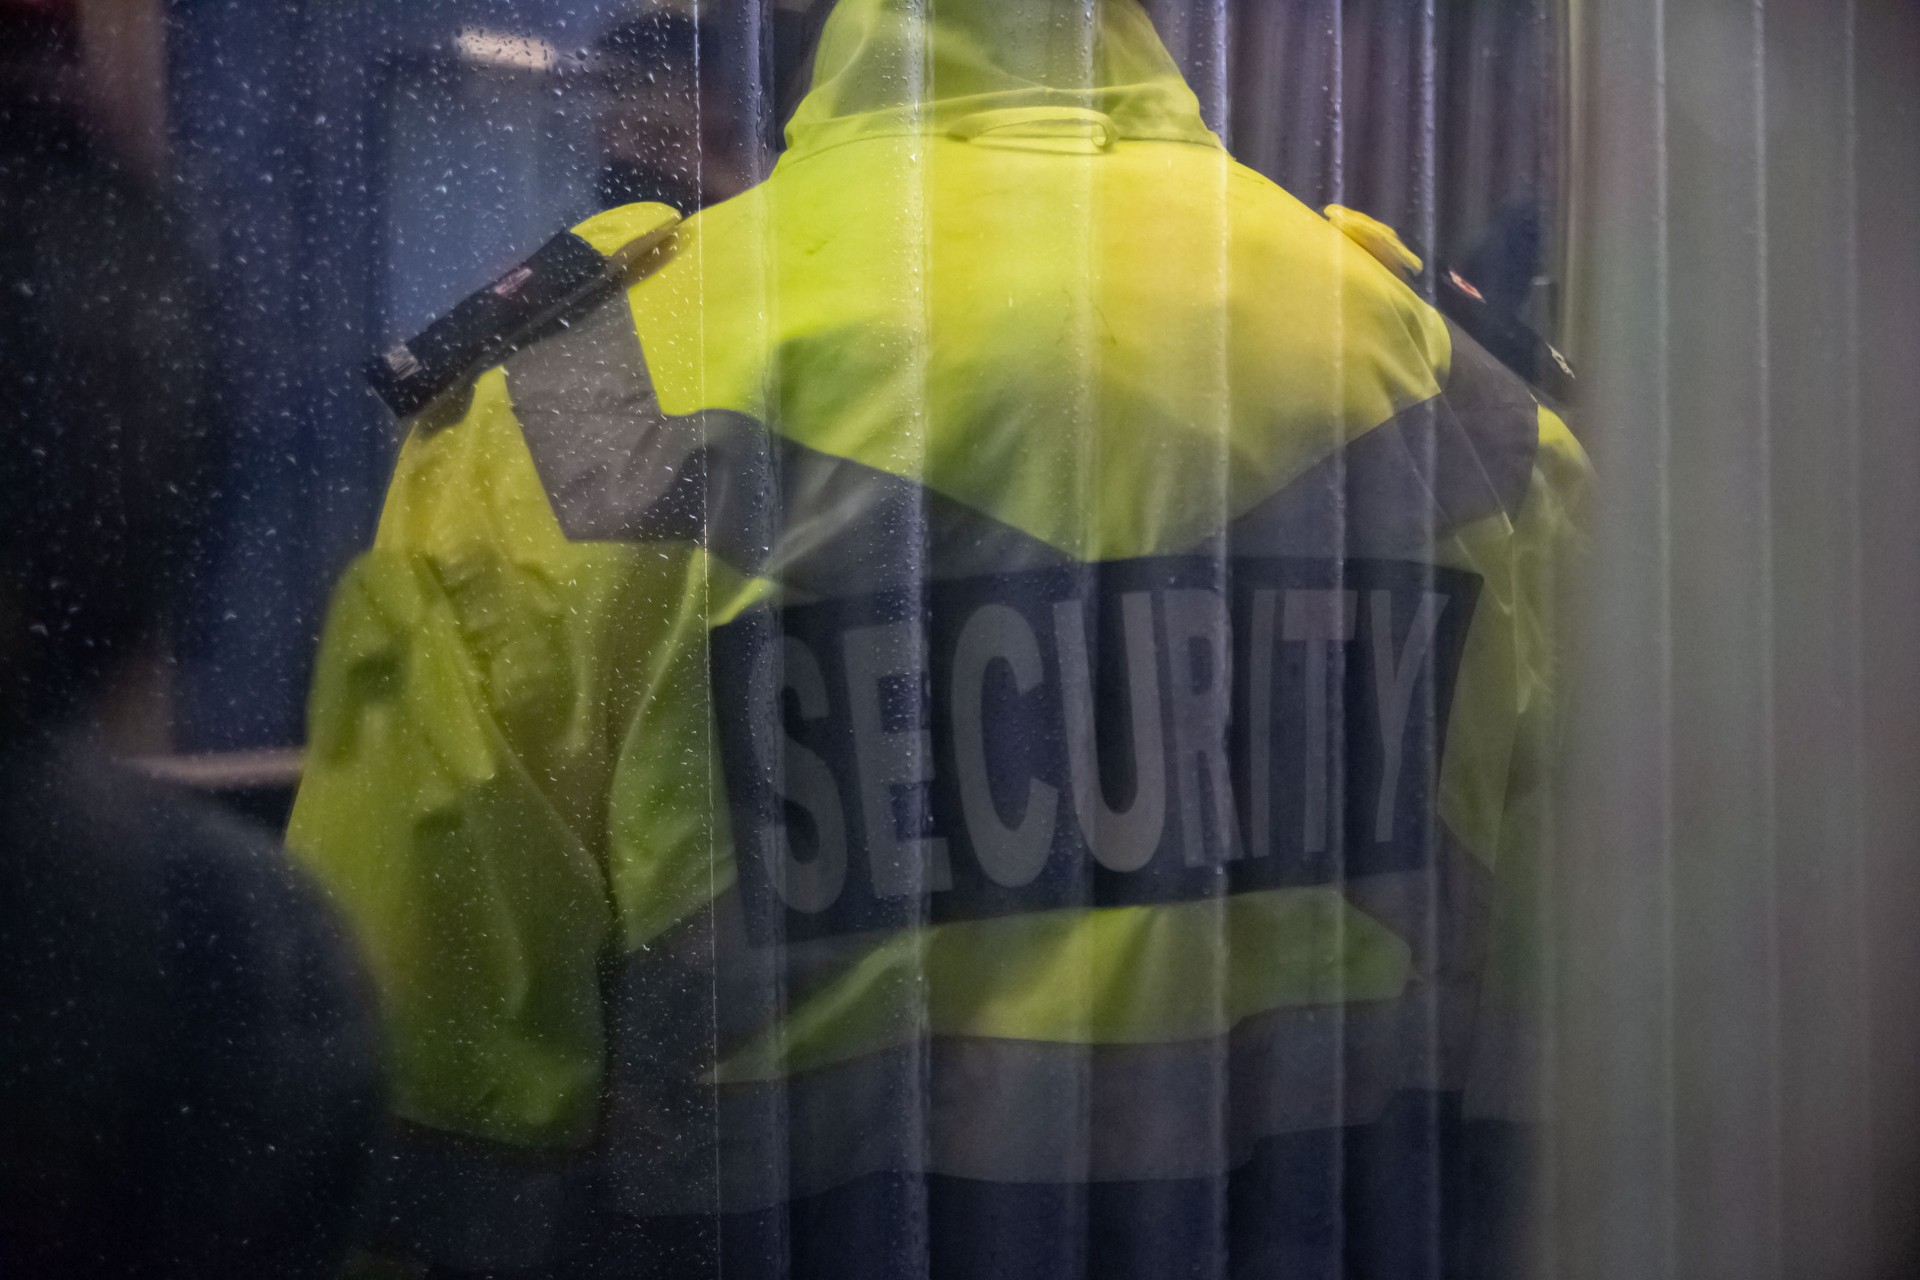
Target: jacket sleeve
(1514, 1014)
(456, 779)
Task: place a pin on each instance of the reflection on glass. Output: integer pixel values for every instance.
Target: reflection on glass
(982, 705)
(960, 638)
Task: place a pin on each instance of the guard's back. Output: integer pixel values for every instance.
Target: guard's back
(1030, 651)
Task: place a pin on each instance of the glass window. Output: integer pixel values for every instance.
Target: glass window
(957, 637)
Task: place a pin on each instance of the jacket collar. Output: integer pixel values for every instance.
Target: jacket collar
(968, 67)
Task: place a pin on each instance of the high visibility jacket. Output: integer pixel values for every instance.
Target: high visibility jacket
(1012, 655)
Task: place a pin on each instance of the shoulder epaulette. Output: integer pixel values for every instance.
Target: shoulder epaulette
(1506, 338)
(563, 278)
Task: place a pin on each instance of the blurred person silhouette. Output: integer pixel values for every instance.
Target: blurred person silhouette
(188, 1072)
(980, 709)
(671, 130)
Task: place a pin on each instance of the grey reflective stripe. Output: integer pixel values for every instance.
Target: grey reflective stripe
(1417, 478)
(616, 466)
(470, 1205)
(1032, 1111)
(1000, 1109)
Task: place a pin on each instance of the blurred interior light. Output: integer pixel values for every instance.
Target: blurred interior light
(500, 49)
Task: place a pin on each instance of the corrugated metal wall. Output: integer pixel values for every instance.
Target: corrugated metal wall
(1725, 196)
(1736, 1064)
(1721, 202)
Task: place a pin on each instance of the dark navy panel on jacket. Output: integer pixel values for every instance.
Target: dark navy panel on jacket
(910, 755)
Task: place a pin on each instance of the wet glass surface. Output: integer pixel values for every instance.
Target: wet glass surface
(957, 637)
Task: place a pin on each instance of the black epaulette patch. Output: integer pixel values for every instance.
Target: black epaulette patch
(1506, 339)
(1504, 336)
(562, 278)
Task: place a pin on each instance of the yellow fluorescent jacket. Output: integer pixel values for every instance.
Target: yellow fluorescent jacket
(1004, 307)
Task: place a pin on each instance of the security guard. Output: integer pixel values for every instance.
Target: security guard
(979, 709)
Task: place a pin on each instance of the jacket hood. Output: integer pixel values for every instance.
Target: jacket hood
(887, 67)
